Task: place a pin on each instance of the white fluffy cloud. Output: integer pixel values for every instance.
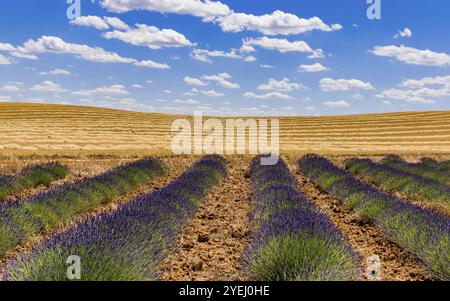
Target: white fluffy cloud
(192, 81)
(275, 23)
(205, 9)
(317, 67)
(55, 72)
(90, 21)
(337, 104)
(4, 60)
(103, 90)
(222, 80)
(56, 45)
(281, 45)
(212, 93)
(205, 56)
(413, 56)
(48, 87)
(22, 55)
(405, 33)
(100, 23)
(116, 23)
(7, 47)
(11, 87)
(186, 101)
(329, 84)
(192, 92)
(268, 95)
(266, 66)
(427, 81)
(410, 96)
(150, 36)
(283, 85)
(424, 91)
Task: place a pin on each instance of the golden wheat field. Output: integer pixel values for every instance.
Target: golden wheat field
(56, 129)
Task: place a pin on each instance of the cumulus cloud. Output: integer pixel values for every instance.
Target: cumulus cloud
(90, 21)
(317, 67)
(222, 80)
(150, 36)
(405, 33)
(281, 45)
(47, 87)
(56, 45)
(137, 86)
(4, 60)
(266, 66)
(275, 23)
(413, 56)
(192, 92)
(103, 90)
(427, 81)
(267, 95)
(11, 87)
(186, 101)
(7, 47)
(55, 72)
(205, 56)
(329, 84)
(206, 9)
(100, 23)
(283, 85)
(337, 104)
(212, 93)
(22, 55)
(116, 23)
(192, 81)
(151, 64)
(424, 91)
(410, 96)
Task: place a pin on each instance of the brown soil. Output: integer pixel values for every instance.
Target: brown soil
(211, 245)
(365, 238)
(175, 168)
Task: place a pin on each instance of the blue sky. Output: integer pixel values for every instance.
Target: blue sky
(252, 57)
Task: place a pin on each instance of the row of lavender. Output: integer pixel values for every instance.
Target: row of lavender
(127, 243)
(31, 177)
(392, 179)
(57, 206)
(427, 168)
(420, 231)
(293, 240)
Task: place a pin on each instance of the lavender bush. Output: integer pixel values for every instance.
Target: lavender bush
(128, 243)
(421, 231)
(395, 180)
(427, 168)
(57, 206)
(293, 240)
(31, 177)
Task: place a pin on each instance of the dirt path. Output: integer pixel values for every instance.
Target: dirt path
(210, 246)
(366, 239)
(175, 167)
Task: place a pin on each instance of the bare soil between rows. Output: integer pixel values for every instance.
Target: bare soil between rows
(212, 243)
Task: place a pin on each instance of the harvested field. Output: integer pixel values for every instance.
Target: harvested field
(61, 129)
